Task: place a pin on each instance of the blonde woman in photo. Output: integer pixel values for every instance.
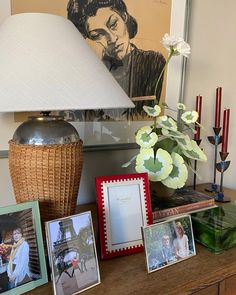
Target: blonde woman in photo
(180, 243)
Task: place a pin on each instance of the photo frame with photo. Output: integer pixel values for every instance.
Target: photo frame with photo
(72, 254)
(168, 242)
(22, 258)
(124, 206)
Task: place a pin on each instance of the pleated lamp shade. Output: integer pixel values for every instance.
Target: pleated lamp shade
(45, 64)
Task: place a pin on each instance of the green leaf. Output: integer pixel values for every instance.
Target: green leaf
(125, 165)
(166, 144)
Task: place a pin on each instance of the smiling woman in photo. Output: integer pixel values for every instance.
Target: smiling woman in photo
(18, 267)
(109, 24)
(181, 244)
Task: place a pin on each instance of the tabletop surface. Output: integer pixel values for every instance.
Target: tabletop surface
(128, 274)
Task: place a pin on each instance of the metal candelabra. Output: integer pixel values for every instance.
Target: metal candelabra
(222, 166)
(215, 140)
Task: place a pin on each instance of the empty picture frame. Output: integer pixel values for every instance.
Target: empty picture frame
(123, 208)
(168, 242)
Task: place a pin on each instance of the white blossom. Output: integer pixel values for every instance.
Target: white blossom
(177, 46)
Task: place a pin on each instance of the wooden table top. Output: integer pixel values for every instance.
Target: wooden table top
(128, 274)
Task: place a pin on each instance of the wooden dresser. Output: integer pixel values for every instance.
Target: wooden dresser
(204, 274)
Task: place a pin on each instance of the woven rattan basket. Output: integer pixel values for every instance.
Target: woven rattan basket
(47, 173)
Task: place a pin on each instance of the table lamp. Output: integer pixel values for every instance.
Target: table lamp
(46, 65)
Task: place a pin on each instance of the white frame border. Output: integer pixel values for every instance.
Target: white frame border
(107, 216)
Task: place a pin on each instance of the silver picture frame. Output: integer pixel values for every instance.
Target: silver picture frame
(72, 254)
(168, 242)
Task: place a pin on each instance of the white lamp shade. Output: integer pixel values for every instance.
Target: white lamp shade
(45, 64)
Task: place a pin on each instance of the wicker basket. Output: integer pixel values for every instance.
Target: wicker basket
(47, 173)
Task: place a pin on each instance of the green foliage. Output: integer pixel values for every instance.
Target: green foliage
(166, 144)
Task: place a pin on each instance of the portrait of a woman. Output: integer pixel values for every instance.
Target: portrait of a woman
(108, 23)
(18, 267)
(181, 243)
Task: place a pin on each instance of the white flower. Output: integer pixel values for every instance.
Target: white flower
(189, 117)
(183, 48)
(177, 46)
(181, 106)
(158, 167)
(169, 41)
(146, 138)
(153, 112)
(179, 173)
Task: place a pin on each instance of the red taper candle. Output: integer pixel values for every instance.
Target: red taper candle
(199, 110)
(218, 107)
(225, 132)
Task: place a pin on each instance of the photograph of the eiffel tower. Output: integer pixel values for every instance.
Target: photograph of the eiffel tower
(73, 255)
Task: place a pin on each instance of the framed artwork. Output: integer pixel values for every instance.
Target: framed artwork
(135, 58)
(22, 258)
(123, 208)
(168, 242)
(72, 254)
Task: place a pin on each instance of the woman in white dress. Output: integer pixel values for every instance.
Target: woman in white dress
(180, 243)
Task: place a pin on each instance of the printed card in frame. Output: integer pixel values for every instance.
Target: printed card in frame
(123, 208)
(22, 258)
(168, 242)
(72, 254)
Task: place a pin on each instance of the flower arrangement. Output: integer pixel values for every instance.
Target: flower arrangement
(165, 147)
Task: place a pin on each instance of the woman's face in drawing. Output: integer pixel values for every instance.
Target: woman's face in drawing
(109, 29)
(17, 235)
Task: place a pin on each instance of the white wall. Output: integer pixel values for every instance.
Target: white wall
(7, 195)
(212, 63)
(5, 9)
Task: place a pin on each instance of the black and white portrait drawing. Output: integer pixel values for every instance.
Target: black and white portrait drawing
(112, 31)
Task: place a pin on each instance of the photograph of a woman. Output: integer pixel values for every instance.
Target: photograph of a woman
(180, 243)
(19, 253)
(18, 267)
(110, 26)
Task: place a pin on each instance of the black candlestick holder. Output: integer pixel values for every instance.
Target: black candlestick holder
(222, 166)
(215, 140)
(198, 141)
